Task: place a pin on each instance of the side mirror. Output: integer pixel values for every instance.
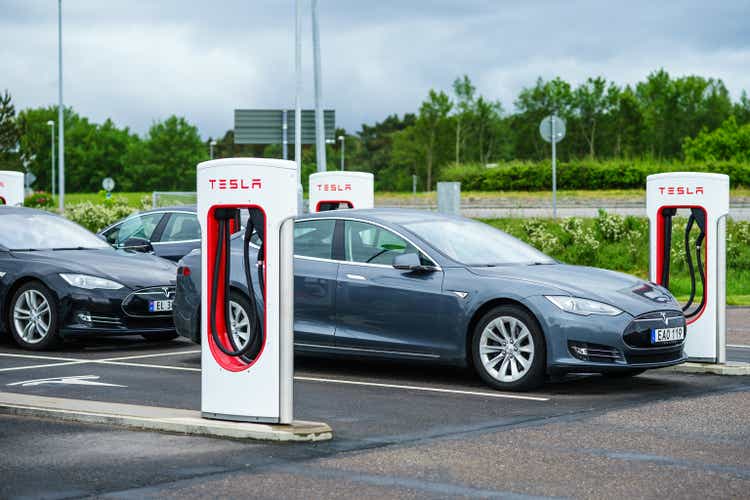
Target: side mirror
(137, 245)
(410, 262)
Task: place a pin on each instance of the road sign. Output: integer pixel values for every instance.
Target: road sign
(550, 124)
(266, 126)
(29, 179)
(552, 129)
(108, 184)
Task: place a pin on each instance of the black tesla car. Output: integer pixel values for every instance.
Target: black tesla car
(58, 280)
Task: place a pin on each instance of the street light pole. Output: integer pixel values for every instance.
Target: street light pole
(343, 145)
(60, 120)
(320, 142)
(211, 149)
(52, 148)
(298, 102)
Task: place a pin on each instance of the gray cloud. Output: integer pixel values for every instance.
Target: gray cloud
(138, 61)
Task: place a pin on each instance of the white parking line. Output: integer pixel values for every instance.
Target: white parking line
(422, 388)
(35, 356)
(162, 367)
(48, 365)
(739, 346)
(158, 354)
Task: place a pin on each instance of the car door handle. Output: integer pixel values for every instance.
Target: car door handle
(358, 277)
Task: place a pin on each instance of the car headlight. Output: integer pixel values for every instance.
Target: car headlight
(90, 282)
(583, 307)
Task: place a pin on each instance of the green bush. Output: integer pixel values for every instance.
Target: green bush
(728, 142)
(96, 217)
(583, 174)
(39, 199)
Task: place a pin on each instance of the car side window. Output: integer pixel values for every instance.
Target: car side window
(314, 238)
(141, 226)
(370, 244)
(181, 227)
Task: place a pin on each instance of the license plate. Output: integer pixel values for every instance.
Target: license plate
(159, 306)
(659, 335)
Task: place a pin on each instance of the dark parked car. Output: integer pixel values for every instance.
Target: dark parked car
(416, 285)
(169, 232)
(58, 280)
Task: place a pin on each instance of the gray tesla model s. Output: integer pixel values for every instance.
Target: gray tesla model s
(417, 285)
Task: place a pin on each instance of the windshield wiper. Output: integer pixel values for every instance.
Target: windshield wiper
(540, 263)
(68, 248)
(24, 249)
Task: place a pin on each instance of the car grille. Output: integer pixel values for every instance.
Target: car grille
(594, 352)
(654, 357)
(135, 305)
(638, 332)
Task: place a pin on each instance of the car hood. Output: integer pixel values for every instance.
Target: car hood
(633, 295)
(134, 270)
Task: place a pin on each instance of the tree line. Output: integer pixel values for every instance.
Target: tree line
(661, 118)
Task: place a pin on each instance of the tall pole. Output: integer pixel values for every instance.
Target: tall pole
(52, 154)
(320, 140)
(554, 166)
(211, 149)
(60, 121)
(297, 102)
(284, 135)
(342, 139)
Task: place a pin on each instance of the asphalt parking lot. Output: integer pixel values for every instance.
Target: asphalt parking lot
(406, 431)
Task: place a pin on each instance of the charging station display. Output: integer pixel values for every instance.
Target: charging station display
(704, 200)
(339, 189)
(251, 202)
(11, 188)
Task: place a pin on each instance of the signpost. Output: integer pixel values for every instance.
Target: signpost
(108, 184)
(552, 130)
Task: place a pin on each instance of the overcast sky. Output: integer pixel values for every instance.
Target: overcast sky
(140, 61)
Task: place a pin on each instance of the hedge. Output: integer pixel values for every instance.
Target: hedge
(585, 174)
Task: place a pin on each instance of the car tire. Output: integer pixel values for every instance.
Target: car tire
(159, 337)
(239, 306)
(508, 349)
(32, 307)
(625, 373)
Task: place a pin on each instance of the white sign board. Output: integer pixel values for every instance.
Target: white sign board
(11, 188)
(108, 184)
(337, 189)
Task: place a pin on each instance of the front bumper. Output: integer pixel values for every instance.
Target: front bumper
(105, 312)
(602, 344)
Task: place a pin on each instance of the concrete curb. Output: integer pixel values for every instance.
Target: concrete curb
(731, 368)
(157, 419)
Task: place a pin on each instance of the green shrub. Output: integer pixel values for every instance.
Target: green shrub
(39, 199)
(583, 174)
(96, 217)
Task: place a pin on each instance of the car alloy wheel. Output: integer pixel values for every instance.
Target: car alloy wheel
(506, 349)
(240, 324)
(33, 317)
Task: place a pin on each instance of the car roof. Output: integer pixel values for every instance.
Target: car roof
(173, 208)
(5, 209)
(382, 215)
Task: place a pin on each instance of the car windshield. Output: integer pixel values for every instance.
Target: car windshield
(476, 244)
(39, 231)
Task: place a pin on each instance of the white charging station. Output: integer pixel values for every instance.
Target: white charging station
(705, 197)
(341, 189)
(238, 384)
(11, 188)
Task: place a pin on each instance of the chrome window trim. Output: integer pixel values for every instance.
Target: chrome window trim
(361, 349)
(141, 214)
(173, 242)
(365, 221)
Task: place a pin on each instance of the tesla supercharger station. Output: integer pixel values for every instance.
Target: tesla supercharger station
(247, 378)
(704, 198)
(337, 189)
(11, 188)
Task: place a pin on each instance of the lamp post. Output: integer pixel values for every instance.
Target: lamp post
(211, 148)
(52, 148)
(343, 145)
(60, 122)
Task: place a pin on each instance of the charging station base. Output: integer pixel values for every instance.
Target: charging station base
(730, 368)
(156, 418)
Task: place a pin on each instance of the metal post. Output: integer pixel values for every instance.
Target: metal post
(52, 153)
(286, 321)
(343, 146)
(554, 167)
(414, 185)
(60, 124)
(320, 141)
(211, 149)
(284, 138)
(297, 103)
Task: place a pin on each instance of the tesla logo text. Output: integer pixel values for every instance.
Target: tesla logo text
(235, 184)
(334, 187)
(681, 190)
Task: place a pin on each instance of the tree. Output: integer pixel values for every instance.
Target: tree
(593, 101)
(533, 104)
(741, 109)
(464, 91)
(9, 134)
(728, 142)
(430, 128)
